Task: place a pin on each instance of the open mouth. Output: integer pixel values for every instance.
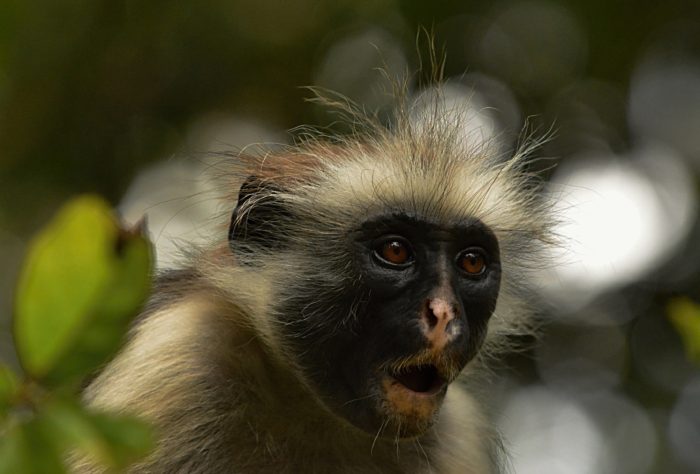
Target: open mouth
(412, 396)
(423, 379)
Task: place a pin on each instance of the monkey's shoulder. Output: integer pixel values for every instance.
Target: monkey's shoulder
(221, 403)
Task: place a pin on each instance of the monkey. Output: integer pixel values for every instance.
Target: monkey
(329, 325)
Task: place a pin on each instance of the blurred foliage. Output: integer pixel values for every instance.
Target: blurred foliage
(92, 91)
(685, 316)
(83, 280)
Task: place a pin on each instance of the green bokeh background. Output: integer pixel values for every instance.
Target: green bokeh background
(92, 91)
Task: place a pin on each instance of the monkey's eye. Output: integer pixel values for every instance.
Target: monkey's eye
(472, 262)
(394, 251)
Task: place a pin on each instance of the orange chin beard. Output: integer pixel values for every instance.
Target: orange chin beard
(411, 401)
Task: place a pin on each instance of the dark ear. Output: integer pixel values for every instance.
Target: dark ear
(259, 217)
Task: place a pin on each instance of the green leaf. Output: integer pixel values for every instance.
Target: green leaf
(102, 334)
(31, 448)
(111, 441)
(66, 270)
(685, 316)
(8, 390)
(81, 283)
(62, 430)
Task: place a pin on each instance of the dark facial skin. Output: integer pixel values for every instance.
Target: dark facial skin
(423, 297)
(381, 350)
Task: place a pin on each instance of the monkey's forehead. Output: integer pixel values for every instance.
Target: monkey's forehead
(428, 175)
(454, 191)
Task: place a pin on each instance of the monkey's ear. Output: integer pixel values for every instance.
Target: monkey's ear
(259, 215)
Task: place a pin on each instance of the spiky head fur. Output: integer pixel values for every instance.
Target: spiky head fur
(421, 164)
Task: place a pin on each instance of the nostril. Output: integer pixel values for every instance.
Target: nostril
(430, 317)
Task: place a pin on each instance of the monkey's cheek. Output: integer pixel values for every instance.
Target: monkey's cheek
(412, 412)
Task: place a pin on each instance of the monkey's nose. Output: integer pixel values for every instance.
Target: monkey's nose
(439, 322)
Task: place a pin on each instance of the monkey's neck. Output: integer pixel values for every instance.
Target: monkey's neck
(260, 406)
(220, 399)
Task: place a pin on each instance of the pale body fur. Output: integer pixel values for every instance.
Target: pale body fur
(206, 364)
(259, 420)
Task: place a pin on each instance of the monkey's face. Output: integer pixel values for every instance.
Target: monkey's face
(379, 319)
(382, 352)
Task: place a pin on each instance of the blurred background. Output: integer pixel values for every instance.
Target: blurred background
(126, 98)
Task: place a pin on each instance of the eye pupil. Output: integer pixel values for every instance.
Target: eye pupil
(473, 263)
(395, 252)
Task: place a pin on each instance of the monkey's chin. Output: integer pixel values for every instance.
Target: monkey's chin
(411, 400)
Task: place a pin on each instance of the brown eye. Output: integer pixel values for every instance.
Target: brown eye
(395, 252)
(472, 262)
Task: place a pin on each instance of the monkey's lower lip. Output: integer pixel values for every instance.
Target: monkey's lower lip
(419, 379)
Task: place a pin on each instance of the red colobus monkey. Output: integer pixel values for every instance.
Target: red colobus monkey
(359, 279)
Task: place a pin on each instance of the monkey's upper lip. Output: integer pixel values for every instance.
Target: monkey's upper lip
(419, 378)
